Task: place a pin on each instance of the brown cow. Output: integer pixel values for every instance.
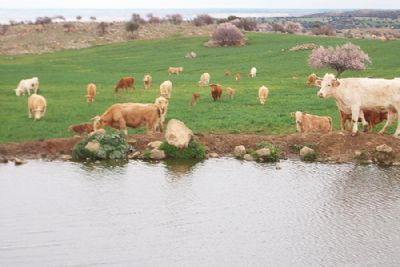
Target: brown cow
(125, 82)
(81, 128)
(133, 115)
(230, 92)
(91, 92)
(372, 117)
(306, 123)
(175, 70)
(195, 98)
(237, 78)
(147, 81)
(216, 91)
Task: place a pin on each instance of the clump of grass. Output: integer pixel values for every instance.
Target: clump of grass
(112, 146)
(193, 151)
(275, 151)
(310, 157)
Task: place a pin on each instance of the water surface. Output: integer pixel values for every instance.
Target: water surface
(220, 212)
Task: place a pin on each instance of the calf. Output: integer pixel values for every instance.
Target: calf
(125, 82)
(372, 118)
(237, 78)
(216, 91)
(230, 92)
(166, 89)
(313, 80)
(253, 72)
(175, 70)
(195, 98)
(204, 79)
(307, 123)
(147, 81)
(25, 86)
(91, 92)
(263, 94)
(36, 106)
(81, 128)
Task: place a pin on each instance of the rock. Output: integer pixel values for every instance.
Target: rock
(239, 151)
(154, 144)
(307, 154)
(213, 155)
(177, 134)
(157, 154)
(18, 161)
(263, 152)
(3, 160)
(384, 148)
(65, 157)
(93, 146)
(134, 155)
(248, 157)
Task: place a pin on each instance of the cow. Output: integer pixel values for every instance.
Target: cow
(166, 89)
(313, 80)
(195, 98)
(36, 106)
(81, 128)
(230, 92)
(372, 117)
(134, 115)
(204, 79)
(125, 82)
(91, 92)
(162, 104)
(253, 72)
(353, 95)
(25, 86)
(216, 91)
(147, 79)
(263, 94)
(307, 123)
(237, 77)
(175, 70)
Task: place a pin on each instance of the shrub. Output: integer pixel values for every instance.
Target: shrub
(328, 30)
(175, 18)
(112, 146)
(278, 27)
(131, 26)
(292, 27)
(43, 20)
(78, 17)
(193, 151)
(227, 34)
(3, 29)
(93, 18)
(152, 19)
(247, 24)
(136, 18)
(341, 58)
(204, 19)
(275, 151)
(68, 27)
(102, 27)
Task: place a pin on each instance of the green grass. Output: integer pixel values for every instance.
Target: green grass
(64, 75)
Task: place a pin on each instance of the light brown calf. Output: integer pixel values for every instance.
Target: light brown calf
(91, 92)
(147, 81)
(230, 92)
(237, 78)
(307, 123)
(175, 70)
(36, 106)
(195, 98)
(263, 94)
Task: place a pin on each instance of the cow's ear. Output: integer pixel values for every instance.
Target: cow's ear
(335, 83)
(292, 115)
(318, 83)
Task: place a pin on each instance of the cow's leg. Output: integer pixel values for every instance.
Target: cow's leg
(122, 126)
(363, 121)
(355, 114)
(342, 115)
(390, 119)
(29, 113)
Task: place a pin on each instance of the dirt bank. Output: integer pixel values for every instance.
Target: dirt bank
(336, 147)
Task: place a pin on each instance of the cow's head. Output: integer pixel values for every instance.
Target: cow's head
(18, 92)
(162, 103)
(38, 113)
(328, 85)
(298, 116)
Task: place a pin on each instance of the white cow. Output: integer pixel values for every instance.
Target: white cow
(352, 95)
(204, 79)
(27, 85)
(166, 89)
(253, 72)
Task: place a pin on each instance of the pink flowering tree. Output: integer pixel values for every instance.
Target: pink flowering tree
(228, 34)
(341, 58)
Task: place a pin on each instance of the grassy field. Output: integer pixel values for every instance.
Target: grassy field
(64, 75)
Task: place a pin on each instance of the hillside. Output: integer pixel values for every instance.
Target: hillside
(64, 75)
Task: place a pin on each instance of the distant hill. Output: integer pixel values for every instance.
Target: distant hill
(366, 13)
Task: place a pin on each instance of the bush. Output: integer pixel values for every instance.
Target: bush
(78, 17)
(175, 18)
(131, 26)
(227, 34)
(328, 30)
(112, 146)
(275, 151)
(278, 27)
(102, 27)
(3, 29)
(136, 18)
(201, 20)
(43, 20)
(68, 27)
(341, 58)
(292, 27)
(247, 24)
(152, 19)
(193, 151)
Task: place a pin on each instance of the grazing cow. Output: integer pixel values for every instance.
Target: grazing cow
(81, 128)
(253, 72)
(313, 80)
(175, 70)
(91, 92)
(125, 82)
(25, 86)
(372, 118)
(36, 106)
(147, 81)
(132, 115)
(216, 91)
(306, 123)
(227, 73)
(230, 92)
(162, 104)
(204, 79)
(195, 98)
(352, 95)
(263, 94)
(166, 89)
(237, 78)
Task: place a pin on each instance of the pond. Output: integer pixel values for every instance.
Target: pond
(219, 212)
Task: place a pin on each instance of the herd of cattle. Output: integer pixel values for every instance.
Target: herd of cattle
(365, 100)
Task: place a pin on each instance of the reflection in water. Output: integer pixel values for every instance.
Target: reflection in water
(219, 212)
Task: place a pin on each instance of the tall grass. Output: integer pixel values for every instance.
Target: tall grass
(64, 75)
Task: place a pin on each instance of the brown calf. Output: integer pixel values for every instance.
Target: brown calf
(125, 82)
(195, 98)
(216, 91)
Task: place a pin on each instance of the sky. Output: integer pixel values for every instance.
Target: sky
(117, 4)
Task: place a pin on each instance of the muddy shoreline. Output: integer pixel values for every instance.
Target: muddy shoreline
(338, 146)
